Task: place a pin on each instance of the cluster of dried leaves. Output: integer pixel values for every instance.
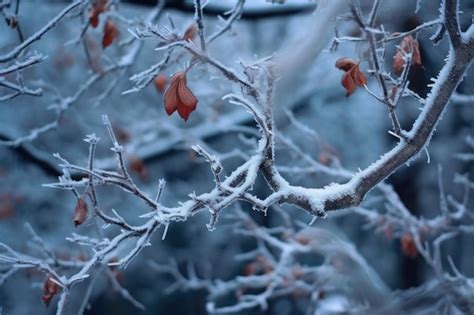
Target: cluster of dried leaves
(354, 77)
(408, 45)
(110, 31)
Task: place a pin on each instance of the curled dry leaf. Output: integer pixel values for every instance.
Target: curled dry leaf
(80, 212)
(110, 33)
(160, 82)
(50, 289)
(345, 64)
(179, 97)
(190, 32)
(409, 246)
(352, 77)
(97, 8)
(408, 45)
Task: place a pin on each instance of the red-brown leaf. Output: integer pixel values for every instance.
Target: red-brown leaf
(409, 246)
(160, 82)
(80, 212)
(190, 32)
(408, 45)
(348, 83)
(352, 77)
(50, 289)
(345, 64)
(137, 166)
(358, 76)
(171, 95)
(178, 97)
(98, 8)
(110, 33)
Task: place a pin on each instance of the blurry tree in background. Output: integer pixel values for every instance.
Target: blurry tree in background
(236, 156)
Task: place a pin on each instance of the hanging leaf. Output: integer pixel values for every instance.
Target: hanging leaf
(409, 246)
(50, 289)
(110, 33)
(97, 9)
(138, 166)
(345, 64)
(178, 97)
(160, 82)
(190, 32)
(352, 77)
(80, 212)
(408, 45)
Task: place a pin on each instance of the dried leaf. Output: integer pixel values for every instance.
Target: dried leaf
(98, 8)
(110, 33)
(303, 239)
(409, 246)
(348, 83)
(352, 77)
(160, 82)
(398, 63)
(178, 97)
(345, 64)
(190, 32)
(408, 45)
(358, 76)
(137, 166)
(50, 289)
(80, 212)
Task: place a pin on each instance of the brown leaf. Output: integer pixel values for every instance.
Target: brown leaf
(409, 246)
(110, 33)
(398, 63)
(50, 289)
(348, 83)
(303, 239)
(178, 97)
(353, 77)
(190, 32)
(80, 212)
(137, 165)
(160, 82)
(408, 45)
(345, 64)
(358, 76)
(98, 8)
